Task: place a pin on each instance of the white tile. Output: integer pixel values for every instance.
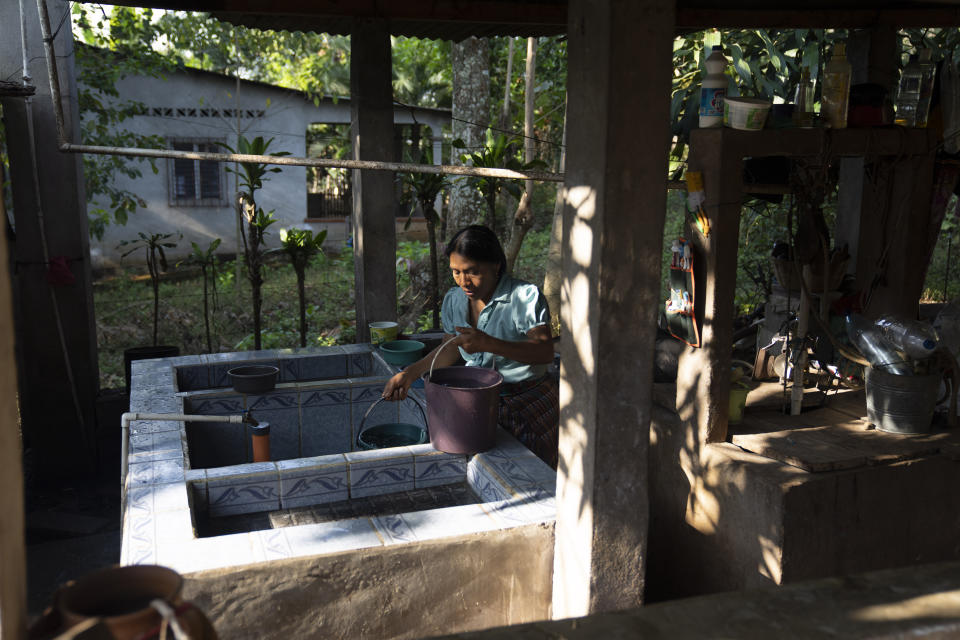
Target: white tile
(170, 497)
(201, 554)
(174, 527)
(449, 521)
(393, 529)
(302, 486)
(331, 537)
(513, 512)
(274, 544)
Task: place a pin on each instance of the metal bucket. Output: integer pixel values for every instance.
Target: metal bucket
(901, 404)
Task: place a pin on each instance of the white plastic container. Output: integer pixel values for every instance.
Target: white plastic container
(713, 90)
(745, 114)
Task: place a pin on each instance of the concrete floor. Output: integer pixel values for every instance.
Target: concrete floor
(71, 531)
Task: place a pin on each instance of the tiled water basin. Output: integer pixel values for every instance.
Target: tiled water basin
(165, 491)
(306, 419)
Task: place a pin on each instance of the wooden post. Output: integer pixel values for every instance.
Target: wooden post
(374, 202)
(703, 377)
(13, 570)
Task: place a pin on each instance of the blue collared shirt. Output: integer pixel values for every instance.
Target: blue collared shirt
(515, 308)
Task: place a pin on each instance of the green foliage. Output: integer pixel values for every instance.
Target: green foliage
(551, 90)
(301, 245)
(500, 152)
(763, 63)
(154, 246)
(422, 74)
(108, 49)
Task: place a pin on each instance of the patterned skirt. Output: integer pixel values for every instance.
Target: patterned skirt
(530, 411)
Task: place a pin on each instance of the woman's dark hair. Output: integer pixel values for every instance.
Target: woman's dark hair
(478, 243)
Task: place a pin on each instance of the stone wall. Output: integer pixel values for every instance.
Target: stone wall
(723, 519)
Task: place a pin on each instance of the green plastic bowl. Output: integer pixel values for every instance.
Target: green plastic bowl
(393, 434)
(402, 352)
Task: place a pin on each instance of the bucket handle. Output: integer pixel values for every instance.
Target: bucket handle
(432, 362)
(378, 401)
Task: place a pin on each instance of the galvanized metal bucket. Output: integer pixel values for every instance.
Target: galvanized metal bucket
(901, 404)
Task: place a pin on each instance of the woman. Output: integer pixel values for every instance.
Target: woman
(502, 323)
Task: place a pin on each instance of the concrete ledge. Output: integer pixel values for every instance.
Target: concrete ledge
(922, 601)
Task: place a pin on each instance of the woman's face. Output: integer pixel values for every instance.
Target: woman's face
(477, 279)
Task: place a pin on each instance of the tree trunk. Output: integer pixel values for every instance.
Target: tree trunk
(471, 115)
(523, 218)
(552, 279)
(435, 275)
(504, 122)
(302, 293)
(206, 308)
(522, 221)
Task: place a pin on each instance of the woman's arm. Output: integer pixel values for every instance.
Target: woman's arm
(536, 349)
(398, 386)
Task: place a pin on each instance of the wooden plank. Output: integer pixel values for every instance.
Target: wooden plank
(840, 16)
(837, 447)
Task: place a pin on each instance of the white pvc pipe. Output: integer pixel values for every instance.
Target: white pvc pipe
(129, 417)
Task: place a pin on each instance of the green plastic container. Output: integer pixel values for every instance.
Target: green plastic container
(391, 434)
(402, 352)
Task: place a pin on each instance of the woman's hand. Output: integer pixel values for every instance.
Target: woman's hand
(397, 387)
(473, 340)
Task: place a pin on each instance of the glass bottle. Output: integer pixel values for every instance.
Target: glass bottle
(803, 101)
(836, 88)
(908, 93)
(928, 74)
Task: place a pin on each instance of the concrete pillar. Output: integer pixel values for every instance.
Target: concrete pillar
(57, 414)
(374, 230)
(619, 66)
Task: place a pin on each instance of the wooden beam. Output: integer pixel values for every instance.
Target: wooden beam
(478, 11)
(690, 18)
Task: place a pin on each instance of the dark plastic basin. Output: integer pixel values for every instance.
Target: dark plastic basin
(254, 378)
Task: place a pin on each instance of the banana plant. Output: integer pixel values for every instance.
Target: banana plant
(154, 246)
(251, 176)
(207, 261)
(301, 246)
(424, 189)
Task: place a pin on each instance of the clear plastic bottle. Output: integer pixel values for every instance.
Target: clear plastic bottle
(908, 93)
(879, 353)
(713, 90)
(928, 75)
(916, 339)
(803, 101)
(835, 98)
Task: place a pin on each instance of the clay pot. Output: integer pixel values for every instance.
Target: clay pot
(120, 597)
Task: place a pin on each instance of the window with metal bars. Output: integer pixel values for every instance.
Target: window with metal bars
(196, 183)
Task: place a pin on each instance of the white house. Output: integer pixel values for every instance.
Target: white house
(198, 110)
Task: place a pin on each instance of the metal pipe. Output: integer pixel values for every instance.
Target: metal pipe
(404, 167)
(52, 73)
(23, 44)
